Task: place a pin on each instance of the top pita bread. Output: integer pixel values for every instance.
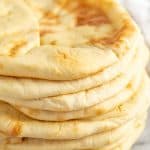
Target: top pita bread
(72, 59)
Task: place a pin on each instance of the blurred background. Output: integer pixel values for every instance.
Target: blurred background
(140, 11)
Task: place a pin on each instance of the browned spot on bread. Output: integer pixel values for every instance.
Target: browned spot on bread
(49, 18)
(62, 55)
(129, 86)
(62, 3)
(115, 38)
(44, 32)
(90, 15)
(94, 41)
(99, 111)
(50, 15)
(86, 14)
(53, 42)
(13, 51)
(16, 129)
(120, 108)
(66, 58)
(1, 66)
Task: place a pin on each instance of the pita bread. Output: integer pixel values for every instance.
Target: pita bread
(87, 98)
(8, 94)
(72, 75)
(27, 88)
(68, 63)
(26, 127)
(49, 88)
(97, 109)
(54, 88)
(91, 142)
(14, 123)
(129, 106)
(120, 144)
(78, 114)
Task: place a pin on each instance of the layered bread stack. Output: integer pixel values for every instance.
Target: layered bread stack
(72, 76)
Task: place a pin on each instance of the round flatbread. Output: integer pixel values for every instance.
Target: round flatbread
(53, 88)
(78, 54)
(92, 111)
(92, 142)
(14, 123)
(84, 99)
(102, 110)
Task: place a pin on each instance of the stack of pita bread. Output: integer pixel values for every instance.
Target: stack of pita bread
(72, 76)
